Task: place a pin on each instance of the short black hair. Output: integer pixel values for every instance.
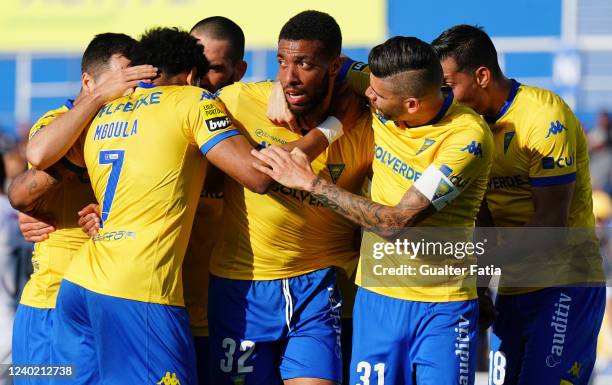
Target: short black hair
(470, 47)
(314, 26)
(102, 47)
(171, 50)
(222, 28)
(411, 56)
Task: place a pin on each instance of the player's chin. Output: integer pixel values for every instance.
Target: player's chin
(299, 109)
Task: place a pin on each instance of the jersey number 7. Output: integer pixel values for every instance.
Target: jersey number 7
(115, 159)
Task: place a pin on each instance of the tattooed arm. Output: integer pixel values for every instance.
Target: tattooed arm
(27, 189)
(293, 170)
(386, 221)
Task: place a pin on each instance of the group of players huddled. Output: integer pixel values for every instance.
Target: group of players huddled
(215, 217)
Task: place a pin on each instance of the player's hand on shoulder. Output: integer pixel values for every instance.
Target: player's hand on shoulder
(33, 229)
(89, 219)
(278, 111)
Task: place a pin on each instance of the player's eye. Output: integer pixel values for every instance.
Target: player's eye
(281, 62)
(305, 65)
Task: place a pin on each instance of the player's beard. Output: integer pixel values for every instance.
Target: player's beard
(317, 99)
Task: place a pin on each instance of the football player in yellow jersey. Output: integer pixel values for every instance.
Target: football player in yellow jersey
(57, 193)
(223, 42)
(431, 161)
(539, 178)
(273, 299)
(129, 275)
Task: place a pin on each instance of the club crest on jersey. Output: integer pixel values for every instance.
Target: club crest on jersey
(508, 136)
(442, 189)
(555, 128)
(426, 144)
(218, 123)
(169, 380)
(335, 170)
(474, 149)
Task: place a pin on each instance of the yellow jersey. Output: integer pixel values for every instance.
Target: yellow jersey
(540, 142)
(459, 143)
(204, 234)
(52, 256)
(144, 157)
(287, 232)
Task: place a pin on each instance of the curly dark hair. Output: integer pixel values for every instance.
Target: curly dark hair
(171, 50)
(314, 26)
(102, 47)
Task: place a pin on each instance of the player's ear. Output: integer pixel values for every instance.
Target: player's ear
(192, 78)
(239, 70)
(412, 105)
(483, 76)
(335, 66)
(87, 81)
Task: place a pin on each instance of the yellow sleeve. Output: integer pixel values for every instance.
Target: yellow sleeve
(74, 159)
(551, 144)
(356, 74)
(230, 97)
(465, 156)
(207, 123)
(41, 123)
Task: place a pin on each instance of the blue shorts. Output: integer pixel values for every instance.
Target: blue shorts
(546, 337)
(202, 359)
(113, 340)
(32, 340)
(407, 342)
(263, 332)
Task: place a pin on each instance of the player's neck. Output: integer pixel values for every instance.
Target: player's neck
(176, 80)
(498, 95)
(313, 118)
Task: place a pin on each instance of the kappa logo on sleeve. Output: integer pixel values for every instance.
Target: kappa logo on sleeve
(474, 149)
(555, 128)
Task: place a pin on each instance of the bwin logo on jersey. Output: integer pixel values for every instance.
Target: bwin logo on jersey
(474, 149)
(219, 123)
(555, 128)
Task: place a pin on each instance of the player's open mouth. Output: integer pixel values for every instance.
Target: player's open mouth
(295, 97)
